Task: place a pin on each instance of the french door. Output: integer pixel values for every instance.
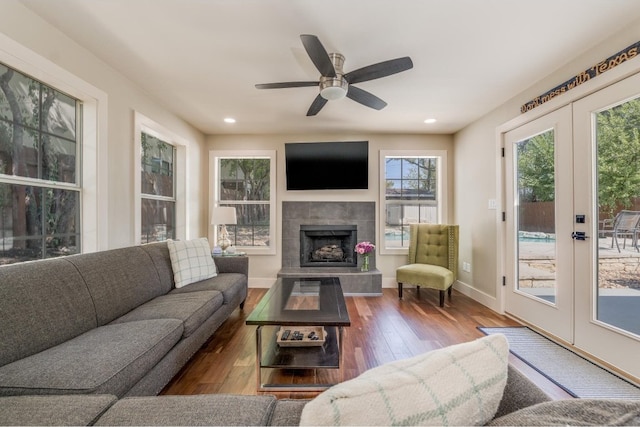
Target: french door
(570, 270)
(607, 275)
(539, 256)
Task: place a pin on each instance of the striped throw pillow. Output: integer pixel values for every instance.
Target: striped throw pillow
(191, 261)
(457, 385)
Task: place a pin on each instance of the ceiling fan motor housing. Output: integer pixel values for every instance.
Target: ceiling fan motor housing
(332, 88)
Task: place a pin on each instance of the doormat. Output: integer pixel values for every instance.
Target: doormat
(570, 371)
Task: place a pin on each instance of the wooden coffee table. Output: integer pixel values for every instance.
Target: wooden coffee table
(300, 302)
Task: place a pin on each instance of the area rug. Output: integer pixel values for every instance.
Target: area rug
(570, 371)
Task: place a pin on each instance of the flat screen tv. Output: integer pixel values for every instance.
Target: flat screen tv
(340, 165)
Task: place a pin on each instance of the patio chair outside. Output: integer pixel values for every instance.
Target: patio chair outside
(625, 225)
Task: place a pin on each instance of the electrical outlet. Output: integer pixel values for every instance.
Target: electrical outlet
(466, 267)
(493, 204)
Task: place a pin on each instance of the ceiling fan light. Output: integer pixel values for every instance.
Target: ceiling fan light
(331, 93)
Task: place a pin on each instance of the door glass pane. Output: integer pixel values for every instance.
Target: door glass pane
(618, 200)
(536, 230)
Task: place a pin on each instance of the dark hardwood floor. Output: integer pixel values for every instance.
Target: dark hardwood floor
(382, 329)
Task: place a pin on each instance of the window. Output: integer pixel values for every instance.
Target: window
(157, 193)
(40, 193)
(246, 181)
(160, 182)
(413, 189)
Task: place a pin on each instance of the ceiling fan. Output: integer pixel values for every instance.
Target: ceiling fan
(334, 83)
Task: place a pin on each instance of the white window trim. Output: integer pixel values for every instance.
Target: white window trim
(144, 124)
(93, 181)
(214, 196)
(442, 190)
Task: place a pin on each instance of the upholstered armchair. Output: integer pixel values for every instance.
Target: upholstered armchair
(433, 258)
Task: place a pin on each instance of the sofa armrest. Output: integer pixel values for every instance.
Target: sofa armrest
(232, 264)
(520, 392)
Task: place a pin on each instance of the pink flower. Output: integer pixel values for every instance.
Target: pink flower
(364, 248)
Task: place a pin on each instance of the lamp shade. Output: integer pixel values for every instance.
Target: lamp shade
(223, 215)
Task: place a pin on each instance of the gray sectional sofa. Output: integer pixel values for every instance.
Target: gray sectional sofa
(91, 339)
(110, 322)
(522, 404)
(212, 409)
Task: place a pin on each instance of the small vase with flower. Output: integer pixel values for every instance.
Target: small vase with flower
(364, 249)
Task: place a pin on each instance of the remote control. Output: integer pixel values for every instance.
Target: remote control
(285, 335)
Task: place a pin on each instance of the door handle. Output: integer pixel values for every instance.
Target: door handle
(579, 235)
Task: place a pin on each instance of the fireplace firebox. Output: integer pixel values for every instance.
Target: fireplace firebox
(328, 245)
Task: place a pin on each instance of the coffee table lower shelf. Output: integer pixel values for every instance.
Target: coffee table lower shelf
(271, 355)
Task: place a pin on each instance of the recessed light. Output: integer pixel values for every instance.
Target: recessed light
(429, 121)
(229, 120)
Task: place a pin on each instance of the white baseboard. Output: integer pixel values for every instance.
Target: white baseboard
(389, 282)
(476, 295)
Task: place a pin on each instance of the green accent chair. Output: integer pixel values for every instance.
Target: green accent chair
(433, 258)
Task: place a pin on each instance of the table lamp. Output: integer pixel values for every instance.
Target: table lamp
(221, 216)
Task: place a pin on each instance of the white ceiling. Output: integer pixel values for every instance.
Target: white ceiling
(201, 58)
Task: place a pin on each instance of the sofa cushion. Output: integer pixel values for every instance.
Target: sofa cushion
(192, 308)
(159, 254)
(232, 285)
(191, 261)
(42, 304)
(119, 280)
(197, 410)
(287, 412)
(575, 412)
(109, 359)
(65, 410)
(457, 385)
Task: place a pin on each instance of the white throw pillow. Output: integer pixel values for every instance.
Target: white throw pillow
(457, 385)
(191, 261)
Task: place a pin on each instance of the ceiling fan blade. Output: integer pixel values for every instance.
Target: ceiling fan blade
(283, 85)
(316, 106)
(318, 55)
(381, 69)
(365, 98)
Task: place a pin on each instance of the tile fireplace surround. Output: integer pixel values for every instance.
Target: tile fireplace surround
(362, 214)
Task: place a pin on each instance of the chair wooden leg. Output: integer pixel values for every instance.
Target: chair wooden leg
(441, 298)
(449, 291)
(399, 290)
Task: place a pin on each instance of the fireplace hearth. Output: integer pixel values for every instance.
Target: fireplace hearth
(328, 245)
